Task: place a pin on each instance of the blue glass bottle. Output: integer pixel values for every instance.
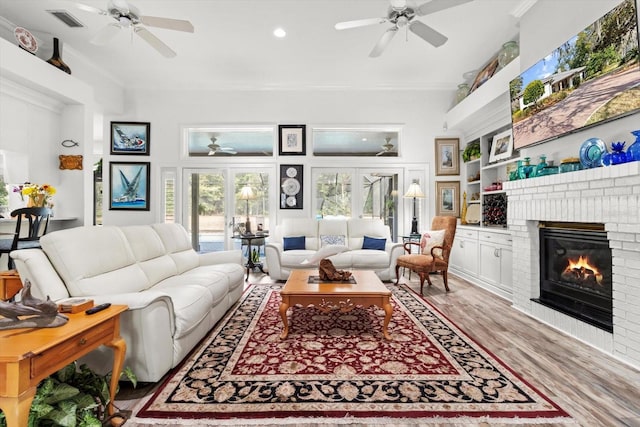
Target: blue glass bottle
(633, 152)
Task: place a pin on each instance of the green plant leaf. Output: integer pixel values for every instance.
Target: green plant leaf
(63, 391)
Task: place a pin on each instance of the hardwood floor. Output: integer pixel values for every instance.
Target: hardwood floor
(594, 388)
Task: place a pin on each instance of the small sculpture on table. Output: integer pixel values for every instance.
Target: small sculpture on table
(30, 312)
(328, 272)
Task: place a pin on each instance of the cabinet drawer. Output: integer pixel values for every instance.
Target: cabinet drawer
(469, 234)
(497, 238)
(71, 349)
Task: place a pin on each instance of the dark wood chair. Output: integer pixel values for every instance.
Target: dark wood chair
(423, 264)
(38, 221)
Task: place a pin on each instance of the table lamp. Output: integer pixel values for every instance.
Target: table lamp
(414, 192)
(246, 193)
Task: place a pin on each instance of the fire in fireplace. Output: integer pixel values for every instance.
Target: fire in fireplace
(576, 272)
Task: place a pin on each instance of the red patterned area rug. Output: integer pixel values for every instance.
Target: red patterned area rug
(336, 368)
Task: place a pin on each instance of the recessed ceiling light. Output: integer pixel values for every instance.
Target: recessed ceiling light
(279, 32)
(364, 139)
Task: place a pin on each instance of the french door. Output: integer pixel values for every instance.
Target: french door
(221, 203)
(357, 193)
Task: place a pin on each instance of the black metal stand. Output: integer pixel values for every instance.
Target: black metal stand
(414, 221)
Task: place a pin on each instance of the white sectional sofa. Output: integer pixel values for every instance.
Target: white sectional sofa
(175, 295)
(322, 232)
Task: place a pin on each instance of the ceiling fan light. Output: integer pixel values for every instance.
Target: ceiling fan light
(124, 22)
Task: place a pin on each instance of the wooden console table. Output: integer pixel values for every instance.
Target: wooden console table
(29, 355)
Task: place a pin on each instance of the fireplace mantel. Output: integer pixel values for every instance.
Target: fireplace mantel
(607, 195)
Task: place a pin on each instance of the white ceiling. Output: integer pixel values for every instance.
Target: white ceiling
(233, 46)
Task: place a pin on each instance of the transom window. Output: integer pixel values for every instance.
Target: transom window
(228, 142)
(367, 142)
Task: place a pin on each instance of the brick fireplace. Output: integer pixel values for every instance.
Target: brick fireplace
(610, 196)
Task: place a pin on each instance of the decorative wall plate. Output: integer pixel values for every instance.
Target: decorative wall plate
(26, 39)
(291, 187)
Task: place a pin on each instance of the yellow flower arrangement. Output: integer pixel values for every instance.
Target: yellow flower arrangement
(39, 194)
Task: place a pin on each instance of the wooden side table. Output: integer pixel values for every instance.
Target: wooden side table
(29, 355)
(10, 284)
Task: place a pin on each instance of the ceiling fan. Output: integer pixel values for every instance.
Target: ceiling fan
(217, 148)
(128, 16)
(387, 147)
(401, 14)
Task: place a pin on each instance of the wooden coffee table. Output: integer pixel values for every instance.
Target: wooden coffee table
(367, 290)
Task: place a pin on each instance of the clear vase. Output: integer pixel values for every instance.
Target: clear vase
(462, 92)
(508, 53)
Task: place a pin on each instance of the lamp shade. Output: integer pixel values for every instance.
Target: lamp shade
(414, 191)
(246, 193)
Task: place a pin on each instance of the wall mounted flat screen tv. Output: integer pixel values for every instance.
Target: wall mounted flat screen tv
(592, 78)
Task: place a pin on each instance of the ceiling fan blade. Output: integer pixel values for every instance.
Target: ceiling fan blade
(383, 42)
(427, 33)
(155, 42)
(91, 9)
(168, 23)
(438, 5)
(359, 23)
(105, 35)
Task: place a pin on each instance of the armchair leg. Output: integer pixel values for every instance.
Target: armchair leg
(421, 274)
(397, 273)
(444, 279)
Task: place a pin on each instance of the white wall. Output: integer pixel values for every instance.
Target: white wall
(419, 112)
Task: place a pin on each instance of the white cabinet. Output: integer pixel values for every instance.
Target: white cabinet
(463, 259)
(496, 261)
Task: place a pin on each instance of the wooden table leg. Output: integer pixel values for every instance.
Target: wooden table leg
(388, 311)
(119, 347)
(16, 409)
(284, 305)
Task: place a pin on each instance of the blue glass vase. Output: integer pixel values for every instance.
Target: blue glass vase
(633, 152)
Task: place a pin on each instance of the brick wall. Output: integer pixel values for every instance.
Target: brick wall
(608, 195)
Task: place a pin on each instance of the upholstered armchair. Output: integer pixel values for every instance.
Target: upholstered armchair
(435, 247)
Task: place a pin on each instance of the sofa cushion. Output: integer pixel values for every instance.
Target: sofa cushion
(191, 303)
(358, 228)
(328, 240)
(362, 259)
(373, 243)
(178, 245)
(149, 251)
(295, 258)
(99, 262)
(292, 243)
(302, 227)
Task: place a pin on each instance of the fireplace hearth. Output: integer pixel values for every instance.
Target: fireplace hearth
(576, 272)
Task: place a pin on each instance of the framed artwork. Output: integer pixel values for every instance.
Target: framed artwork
(501, 146)
(129, 186)
(485, 74)
(448, 198)
(447, 156)
(292, 140)
(130, 138)
(291, 186)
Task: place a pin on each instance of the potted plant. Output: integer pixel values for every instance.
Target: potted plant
(471, 151)
(73, 396)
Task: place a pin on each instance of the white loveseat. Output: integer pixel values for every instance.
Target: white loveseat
(319, 233)
(175, 295)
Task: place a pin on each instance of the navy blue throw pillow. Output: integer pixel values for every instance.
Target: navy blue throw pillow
(291, 243)
(373, 243)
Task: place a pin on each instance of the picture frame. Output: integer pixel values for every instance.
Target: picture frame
(447, 156)
(291, 186)
(129, 188)
(130, 138)
(292, 140)
(485, 74)
(501, 146)
(448, 198)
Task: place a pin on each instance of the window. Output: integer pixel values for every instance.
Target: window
(332, 194)
(363, 142)
(226, 142)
